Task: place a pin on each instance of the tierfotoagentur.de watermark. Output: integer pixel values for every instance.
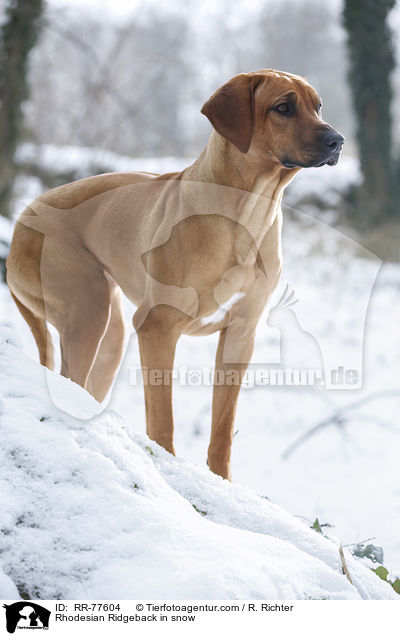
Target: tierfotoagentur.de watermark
(251, 377)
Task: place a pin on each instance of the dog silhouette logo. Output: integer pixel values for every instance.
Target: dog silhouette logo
(26, 615)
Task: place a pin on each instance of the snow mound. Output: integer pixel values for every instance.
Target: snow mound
(91, 511)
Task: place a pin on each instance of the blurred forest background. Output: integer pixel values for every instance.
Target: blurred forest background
(86, 79)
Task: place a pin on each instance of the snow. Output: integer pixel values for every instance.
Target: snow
(8, 590)
(326, 184)
(5, 236)
(86, 504)
(83, 160)
(90, 510)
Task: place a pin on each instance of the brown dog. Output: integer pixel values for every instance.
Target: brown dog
(179, 246)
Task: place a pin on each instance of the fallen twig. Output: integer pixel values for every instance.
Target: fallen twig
(345, 569)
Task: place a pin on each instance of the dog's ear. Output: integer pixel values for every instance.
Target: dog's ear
(231, 109)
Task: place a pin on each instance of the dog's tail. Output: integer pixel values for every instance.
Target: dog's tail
(40, 333)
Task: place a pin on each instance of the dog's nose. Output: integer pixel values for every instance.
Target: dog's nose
(333, 140)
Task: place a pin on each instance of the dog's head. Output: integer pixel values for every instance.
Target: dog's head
(275, 115)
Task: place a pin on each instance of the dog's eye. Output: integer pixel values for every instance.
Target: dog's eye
(319, 108)
(283, 108)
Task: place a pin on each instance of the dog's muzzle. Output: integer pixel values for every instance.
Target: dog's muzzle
(330, 144)
(333, 141)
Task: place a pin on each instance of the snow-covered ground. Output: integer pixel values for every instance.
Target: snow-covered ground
(86, 504)
(92, 510)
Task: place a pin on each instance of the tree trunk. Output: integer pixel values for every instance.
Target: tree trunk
(17, 37)
(371, 61)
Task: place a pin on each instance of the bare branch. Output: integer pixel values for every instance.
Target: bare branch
(338, 417)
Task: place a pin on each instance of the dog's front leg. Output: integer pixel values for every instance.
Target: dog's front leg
(157, 337)
(235, 348)
(227, 380)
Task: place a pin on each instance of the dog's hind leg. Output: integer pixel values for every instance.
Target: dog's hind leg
(82, 325)
(40, 332)
(24, 282)
(54, 279)
(110, 352)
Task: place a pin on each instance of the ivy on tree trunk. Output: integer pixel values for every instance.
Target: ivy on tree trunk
(17, 37)
(371, 61)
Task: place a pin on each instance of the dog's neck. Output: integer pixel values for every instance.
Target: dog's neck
(223, 164)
